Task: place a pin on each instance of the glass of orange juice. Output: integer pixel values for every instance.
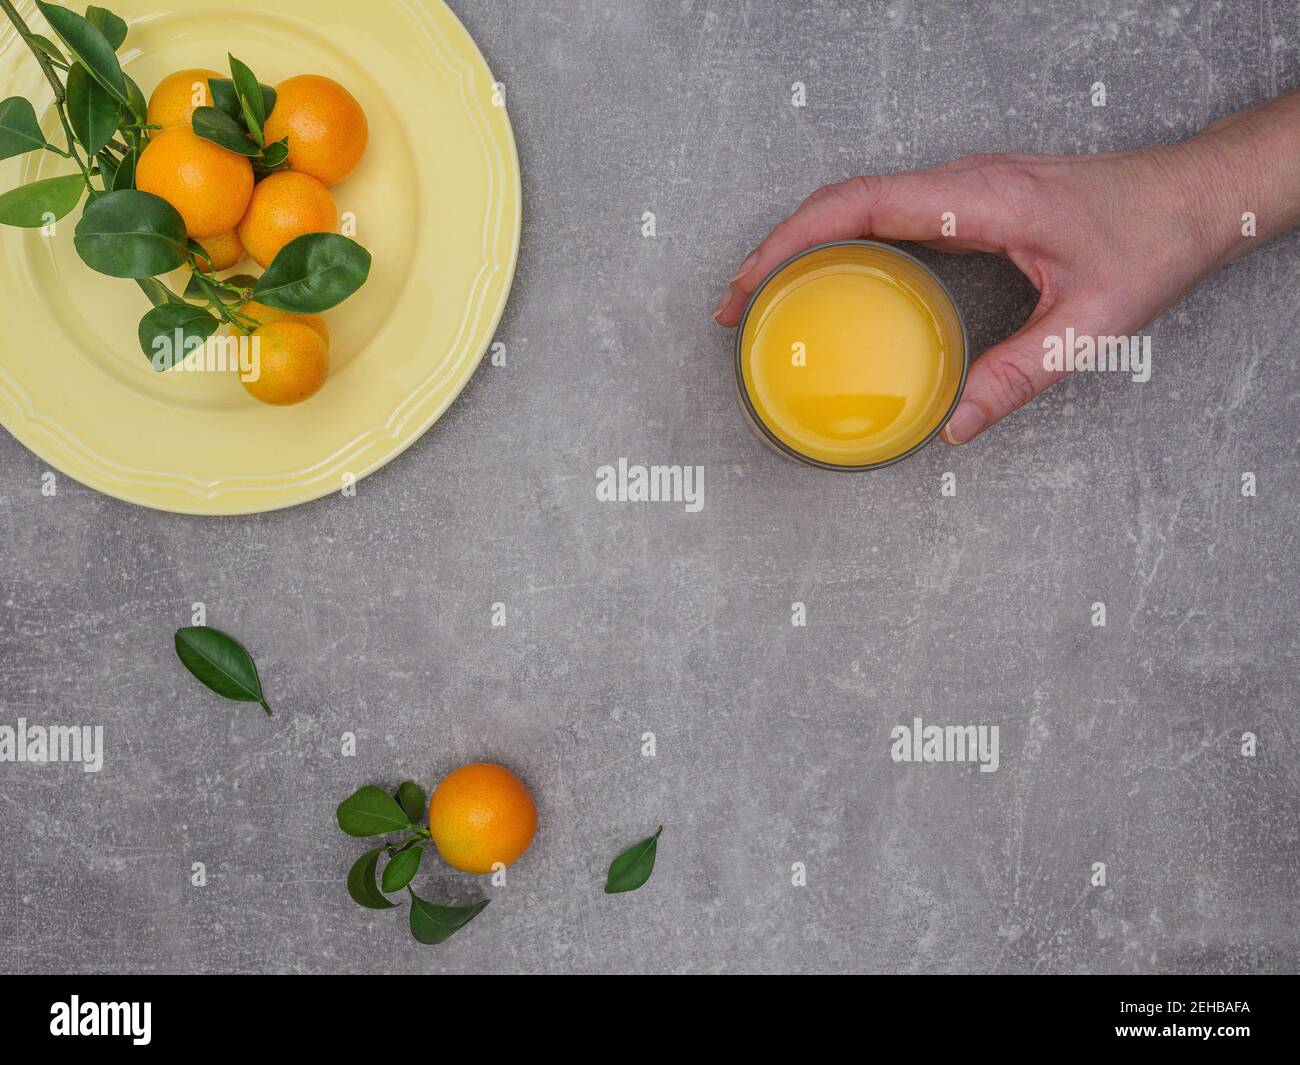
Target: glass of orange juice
(850, 356)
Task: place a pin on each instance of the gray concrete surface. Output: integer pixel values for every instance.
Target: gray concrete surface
(1118, 745)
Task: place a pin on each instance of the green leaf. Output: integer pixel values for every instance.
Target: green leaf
(36, 205)
(44, 44)
(219, 128)
(274, 154)
(138, 109)
(401, 868)
(633, 867)
(88, 46)
(226, 97)
(111, 26)
(411, 798)
(157, 292)
(361, 882)
(254, 127)
(314, 273)
(107, 168)
(19, 130)
(91, 110)
(222, 663)
(432, 924)
(129, 233)
(125, 176)
(251, 102)
(371, 811)
(172, 332)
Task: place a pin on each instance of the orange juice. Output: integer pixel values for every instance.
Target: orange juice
(851, 355)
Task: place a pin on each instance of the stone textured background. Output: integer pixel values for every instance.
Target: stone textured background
(372, 615)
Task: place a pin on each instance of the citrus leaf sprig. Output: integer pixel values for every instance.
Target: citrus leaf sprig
(371, 811)
(126, 233)
(236, 120)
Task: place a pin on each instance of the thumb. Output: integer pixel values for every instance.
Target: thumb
(1006, 377)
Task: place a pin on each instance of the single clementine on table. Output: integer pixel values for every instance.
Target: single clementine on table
(292, 362)
(479, 815)
(283, 207)
(179, 95)
(263, 315)
(208, 185)
(326, 127)
(225, 250)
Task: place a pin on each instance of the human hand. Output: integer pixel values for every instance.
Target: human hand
(1109, 241)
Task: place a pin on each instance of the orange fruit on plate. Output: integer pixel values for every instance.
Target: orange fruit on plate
(283, 207)
(292, 362)
(264, 315)
(479, 815)
(173, 103)
(208, 185)
(326, 127)
(225, 251)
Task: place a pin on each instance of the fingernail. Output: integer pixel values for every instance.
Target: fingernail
(746, 267)
(722, 304)
(965, 423)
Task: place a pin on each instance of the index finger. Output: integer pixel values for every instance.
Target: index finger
(908, 206)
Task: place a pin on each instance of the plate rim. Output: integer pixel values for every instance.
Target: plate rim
(293, 496)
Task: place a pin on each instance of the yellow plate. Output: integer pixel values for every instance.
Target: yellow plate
(436, 200)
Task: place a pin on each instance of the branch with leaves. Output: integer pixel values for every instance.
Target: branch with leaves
(371, 811)
(130, 234)
(224, 666)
